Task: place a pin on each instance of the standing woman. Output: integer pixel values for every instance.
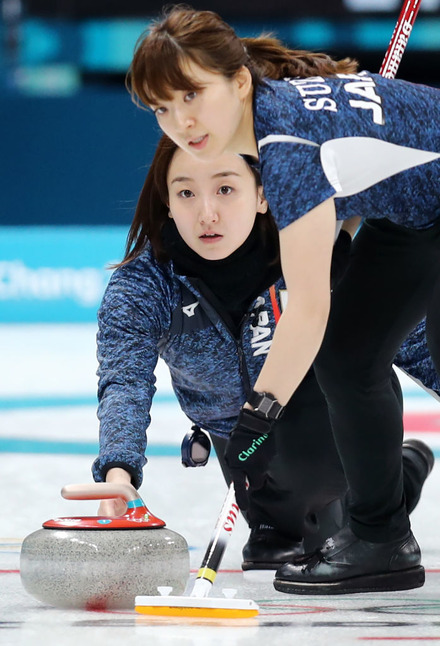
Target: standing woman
(333, 143)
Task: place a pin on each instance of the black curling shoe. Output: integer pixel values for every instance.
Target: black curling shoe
(418, 462)
(266, 549)
(347, 564)
(422, 450)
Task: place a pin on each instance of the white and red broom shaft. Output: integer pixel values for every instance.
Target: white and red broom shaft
(217, 546)
(399, 39)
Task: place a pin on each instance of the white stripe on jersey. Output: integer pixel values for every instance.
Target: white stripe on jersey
(273, 139)
(353, 164)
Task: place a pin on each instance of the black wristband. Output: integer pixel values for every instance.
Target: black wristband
(266, 405)
(253, 422)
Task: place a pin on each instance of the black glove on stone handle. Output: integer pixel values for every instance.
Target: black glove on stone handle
(249, 450)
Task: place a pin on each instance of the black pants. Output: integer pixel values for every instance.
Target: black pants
(391, 284)
(304, 495)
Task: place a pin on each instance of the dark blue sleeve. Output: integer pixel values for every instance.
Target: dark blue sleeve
(293, 179)
(414, 359)
(130, 324)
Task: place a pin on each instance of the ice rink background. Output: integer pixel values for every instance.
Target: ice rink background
(74, 155)
(48, 438)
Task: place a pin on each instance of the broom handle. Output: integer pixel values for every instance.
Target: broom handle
(217, 546)
(399, 39)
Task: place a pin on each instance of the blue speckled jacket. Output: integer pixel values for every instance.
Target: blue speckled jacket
(149, 311)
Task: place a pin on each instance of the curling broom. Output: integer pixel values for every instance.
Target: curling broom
(199, 604)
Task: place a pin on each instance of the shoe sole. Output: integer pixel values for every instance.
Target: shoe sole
(389, 582)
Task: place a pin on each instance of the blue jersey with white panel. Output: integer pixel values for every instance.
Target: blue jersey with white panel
(372, 143)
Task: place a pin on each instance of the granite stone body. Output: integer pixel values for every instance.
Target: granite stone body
(103, 568)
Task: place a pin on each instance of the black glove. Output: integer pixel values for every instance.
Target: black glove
(249, 450)
(340, 257)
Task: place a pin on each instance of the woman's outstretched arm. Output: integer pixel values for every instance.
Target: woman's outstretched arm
(306, 250)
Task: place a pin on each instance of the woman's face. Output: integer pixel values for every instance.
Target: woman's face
(213, 203)
(209, 121)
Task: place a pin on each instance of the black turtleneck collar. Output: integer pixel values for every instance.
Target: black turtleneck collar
(235, 281)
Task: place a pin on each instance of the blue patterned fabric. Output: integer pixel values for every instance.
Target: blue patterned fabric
(414, 359)
(361, 138)
(149, 311)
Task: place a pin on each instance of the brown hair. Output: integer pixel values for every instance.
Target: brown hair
(152, 209)
(183, 33)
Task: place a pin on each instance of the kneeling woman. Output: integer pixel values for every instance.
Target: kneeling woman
(200, 286)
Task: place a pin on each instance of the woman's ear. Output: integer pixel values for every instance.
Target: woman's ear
(170, 215)
(262, 205)
(243, 78)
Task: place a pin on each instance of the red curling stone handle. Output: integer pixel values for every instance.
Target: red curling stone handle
(138, 516)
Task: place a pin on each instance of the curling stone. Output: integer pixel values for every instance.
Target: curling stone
(100, 562)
